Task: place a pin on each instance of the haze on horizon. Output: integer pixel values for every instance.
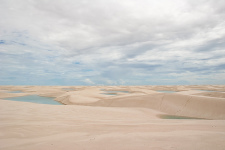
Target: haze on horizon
(113, 42)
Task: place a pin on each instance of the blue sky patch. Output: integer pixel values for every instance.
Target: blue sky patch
(2, 42)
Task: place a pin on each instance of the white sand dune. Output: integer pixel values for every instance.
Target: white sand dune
(173, 104)
(212, 94)
(92, 120)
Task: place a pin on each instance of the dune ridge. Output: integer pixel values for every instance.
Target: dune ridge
(170, 103)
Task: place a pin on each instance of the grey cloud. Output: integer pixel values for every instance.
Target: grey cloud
(120, 40)
(214, 44)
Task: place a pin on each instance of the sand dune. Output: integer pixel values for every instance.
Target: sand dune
(213, 94)
(84, 127)
(173, 104)
(93, 120)
(181, 103)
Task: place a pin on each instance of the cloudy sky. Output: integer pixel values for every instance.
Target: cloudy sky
(112, 42)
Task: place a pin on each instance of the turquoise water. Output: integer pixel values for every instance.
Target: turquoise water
(166, 91)
(117, 91)
(14, 92)
(35, 99)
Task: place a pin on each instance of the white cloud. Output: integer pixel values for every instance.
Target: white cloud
(112, 40)
(88, 81)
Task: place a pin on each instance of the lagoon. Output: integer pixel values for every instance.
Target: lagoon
(35, 99)
(14, 92)
(118, 91)
(114, 92)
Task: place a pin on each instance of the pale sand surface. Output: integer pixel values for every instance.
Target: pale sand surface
(127, 121)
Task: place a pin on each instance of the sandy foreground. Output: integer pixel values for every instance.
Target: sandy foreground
(107, 118)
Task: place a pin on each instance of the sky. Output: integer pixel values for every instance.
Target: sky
(112, 42)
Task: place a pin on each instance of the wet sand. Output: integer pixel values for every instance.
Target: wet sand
(130, 120)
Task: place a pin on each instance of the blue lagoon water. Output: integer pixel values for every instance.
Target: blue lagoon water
(35, 99)
(14, 92)
(118, 91)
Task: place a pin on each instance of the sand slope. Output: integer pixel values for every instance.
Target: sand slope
(127, 121)
(83, 127)
(170, 103)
